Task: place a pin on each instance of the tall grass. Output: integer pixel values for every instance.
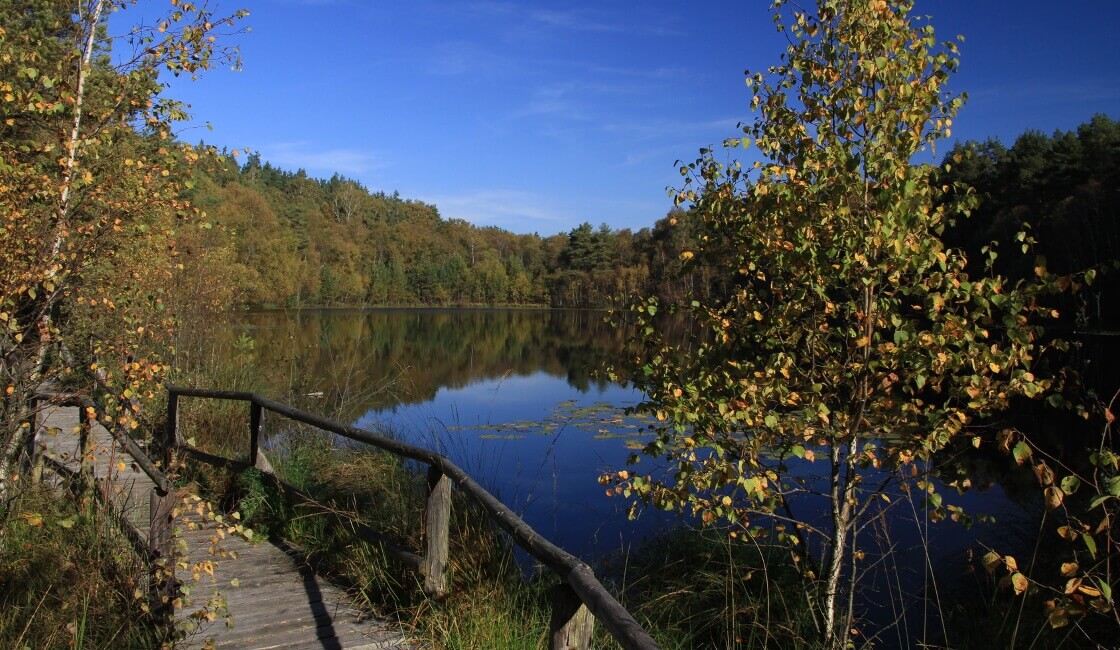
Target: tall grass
(68, 577)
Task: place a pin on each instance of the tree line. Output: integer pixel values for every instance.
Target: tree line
(287, 239)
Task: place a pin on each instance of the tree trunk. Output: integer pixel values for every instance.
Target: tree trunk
(842, 497)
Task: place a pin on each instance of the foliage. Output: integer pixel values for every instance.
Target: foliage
(850, 340)
(1064, 187)
(90, 199)
(291, 240)
(68, 577)
(1073, 581)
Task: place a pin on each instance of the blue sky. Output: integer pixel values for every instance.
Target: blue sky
(536, 117)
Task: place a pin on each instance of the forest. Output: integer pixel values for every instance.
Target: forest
(289, 240)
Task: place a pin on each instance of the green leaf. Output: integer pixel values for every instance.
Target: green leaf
(798, 451)
(1090, 544)
(1070, 484)
(1021, 453)
(1112, 486)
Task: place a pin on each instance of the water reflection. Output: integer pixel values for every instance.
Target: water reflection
(512, 396)
(409, 355)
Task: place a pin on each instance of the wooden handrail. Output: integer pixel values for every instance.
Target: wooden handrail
(569, 629)
(157, 543)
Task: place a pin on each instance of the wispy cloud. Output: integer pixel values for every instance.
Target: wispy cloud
(514, 210)
(552, 99)
(453, 58)
(301, 155)
(572, 19)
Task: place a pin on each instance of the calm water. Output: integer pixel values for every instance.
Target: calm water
(512, 396)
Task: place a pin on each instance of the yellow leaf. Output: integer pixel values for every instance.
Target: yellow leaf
(33, 519)
(235, 582)
(1053, 497)
(1019, 583)
(1069, 569)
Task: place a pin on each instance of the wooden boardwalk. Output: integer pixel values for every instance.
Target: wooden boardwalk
(278, 602)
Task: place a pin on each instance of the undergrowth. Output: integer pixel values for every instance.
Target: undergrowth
(68, 578)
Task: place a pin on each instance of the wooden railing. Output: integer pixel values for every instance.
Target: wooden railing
(579, 596)
(155, 543)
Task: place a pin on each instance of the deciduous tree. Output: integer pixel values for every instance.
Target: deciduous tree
(850, 342)
(90, 192)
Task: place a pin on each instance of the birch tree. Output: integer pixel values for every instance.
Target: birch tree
(850, 344)
(90, 171)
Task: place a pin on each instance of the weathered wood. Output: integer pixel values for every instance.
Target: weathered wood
(437, 533)
(171, 434)
(160, 533)
(275, 586)
(255, 411)
(571, 624)
(278, 601)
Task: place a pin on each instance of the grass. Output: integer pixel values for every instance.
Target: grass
(68, 578)
(702, 589)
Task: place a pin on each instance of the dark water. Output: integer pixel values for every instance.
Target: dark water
(515, 398)
(512, 396)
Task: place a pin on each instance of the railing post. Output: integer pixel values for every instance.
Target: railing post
(437, 531)
(254, 432)
(171, 436)
(572, 624)
(160, 531)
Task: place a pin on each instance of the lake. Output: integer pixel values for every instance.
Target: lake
(512, 396)
(515, 397)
